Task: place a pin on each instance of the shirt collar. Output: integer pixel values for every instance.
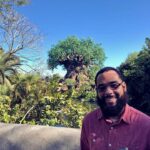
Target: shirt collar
(99, 114)
(125, 116)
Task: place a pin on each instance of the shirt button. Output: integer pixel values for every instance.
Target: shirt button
(109, 145)
(94, 134)
(111, 128)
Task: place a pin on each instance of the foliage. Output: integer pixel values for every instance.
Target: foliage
(75, 54)
(92, 71)
(59, 111)
(8, 4)
(8, 66)
(37, 101)
(7, 114)
(4, 89)
(136, 70)
(31, 98)
(18, 35)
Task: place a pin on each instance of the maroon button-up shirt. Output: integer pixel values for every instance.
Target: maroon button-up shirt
(131, 133)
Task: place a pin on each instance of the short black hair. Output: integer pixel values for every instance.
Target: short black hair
(105, 69)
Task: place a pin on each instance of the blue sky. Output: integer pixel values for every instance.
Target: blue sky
(121, 26)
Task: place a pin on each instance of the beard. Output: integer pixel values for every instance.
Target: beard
(112, 111)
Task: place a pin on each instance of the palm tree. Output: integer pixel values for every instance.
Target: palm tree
(8, 66)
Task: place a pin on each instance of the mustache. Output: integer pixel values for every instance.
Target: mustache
(109, 96)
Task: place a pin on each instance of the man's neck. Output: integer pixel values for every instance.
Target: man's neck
(115, 119)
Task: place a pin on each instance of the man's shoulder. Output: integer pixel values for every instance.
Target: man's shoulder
(95, 114)
(139, 115)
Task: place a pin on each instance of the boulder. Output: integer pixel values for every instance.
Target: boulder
(36, 137)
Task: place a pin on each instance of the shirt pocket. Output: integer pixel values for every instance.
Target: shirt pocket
(96, 142)
(129, 146)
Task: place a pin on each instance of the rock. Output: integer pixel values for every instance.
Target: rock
(36, 137)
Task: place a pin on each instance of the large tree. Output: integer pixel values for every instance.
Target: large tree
(76, 55)
(136, 70)
(18, 36)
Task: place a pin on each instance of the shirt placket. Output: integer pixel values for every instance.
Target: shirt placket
(111, 143)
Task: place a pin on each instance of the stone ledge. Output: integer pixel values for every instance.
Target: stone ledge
(35, 137)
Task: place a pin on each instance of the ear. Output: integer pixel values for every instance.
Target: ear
(124, 86)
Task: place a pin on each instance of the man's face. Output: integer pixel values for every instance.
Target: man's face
(111, 93)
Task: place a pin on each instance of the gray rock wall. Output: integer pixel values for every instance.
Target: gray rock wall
(35, 137)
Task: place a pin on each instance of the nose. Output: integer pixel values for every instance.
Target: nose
(109, 91)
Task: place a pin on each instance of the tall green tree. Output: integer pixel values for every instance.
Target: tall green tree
(136, 70)
(8, 66)
(76, 55)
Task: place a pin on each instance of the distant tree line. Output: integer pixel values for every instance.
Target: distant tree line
(136, 71)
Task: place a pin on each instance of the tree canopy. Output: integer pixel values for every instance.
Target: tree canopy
(76, 54)
(136, 70)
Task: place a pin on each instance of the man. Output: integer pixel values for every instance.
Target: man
(115, 125)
